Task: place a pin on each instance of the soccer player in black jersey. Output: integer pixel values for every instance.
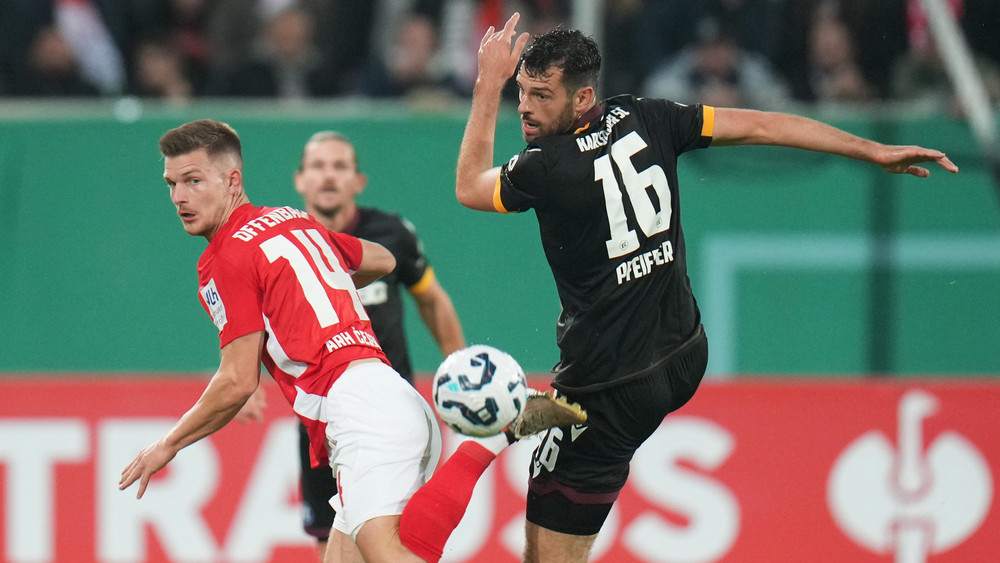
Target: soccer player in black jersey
(329, 181)
(601, 176)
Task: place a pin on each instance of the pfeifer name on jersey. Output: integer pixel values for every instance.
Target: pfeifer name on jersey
(642, 264)
(256, 226)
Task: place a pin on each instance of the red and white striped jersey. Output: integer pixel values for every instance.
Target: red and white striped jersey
(280, 271)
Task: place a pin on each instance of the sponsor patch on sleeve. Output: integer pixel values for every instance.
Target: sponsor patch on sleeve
(216, 308)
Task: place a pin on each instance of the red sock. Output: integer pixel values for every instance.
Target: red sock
(437, 507)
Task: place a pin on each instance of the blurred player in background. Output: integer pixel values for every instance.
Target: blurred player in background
(281, 289)
(329, 181)
(602, 179)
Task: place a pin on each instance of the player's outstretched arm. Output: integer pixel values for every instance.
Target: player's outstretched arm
(749, 127)
(438, 313)
(229, 389)
(476, 176)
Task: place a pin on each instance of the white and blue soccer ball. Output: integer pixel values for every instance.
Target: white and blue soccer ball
(479, 390)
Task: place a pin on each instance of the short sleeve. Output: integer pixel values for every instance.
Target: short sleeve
(411, 264)
(233, 300)
(520, 184)
(350, 249)
(687, 127)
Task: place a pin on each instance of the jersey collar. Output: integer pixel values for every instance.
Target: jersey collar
(236, 219)
(584, 120)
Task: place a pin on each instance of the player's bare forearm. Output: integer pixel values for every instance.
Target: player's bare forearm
(225, 395)
(499, 54)
(438, 313)
(475, 156)
(216, 407)
(230, 388)
(748, 127)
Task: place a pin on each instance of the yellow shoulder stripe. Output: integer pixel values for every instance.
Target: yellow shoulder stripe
(424, 283)
(497, 202)
(707, 121)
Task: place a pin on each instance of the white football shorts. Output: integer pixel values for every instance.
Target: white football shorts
(384, 440)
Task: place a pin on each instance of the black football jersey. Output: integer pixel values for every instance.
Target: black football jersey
(383, 297)
(608, 209)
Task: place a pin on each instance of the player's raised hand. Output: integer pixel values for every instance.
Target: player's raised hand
(150, 460)
(901, 160)
(497, 58)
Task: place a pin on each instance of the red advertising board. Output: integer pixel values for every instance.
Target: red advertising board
(750, 470)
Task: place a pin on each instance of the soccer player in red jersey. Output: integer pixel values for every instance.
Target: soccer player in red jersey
(281, 289)
(329, 179)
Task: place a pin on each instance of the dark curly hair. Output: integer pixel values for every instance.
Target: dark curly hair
(567, 49)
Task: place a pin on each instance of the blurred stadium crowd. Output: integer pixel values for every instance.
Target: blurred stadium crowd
(739, 53)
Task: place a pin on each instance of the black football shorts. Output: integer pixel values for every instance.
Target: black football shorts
(577, 472)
